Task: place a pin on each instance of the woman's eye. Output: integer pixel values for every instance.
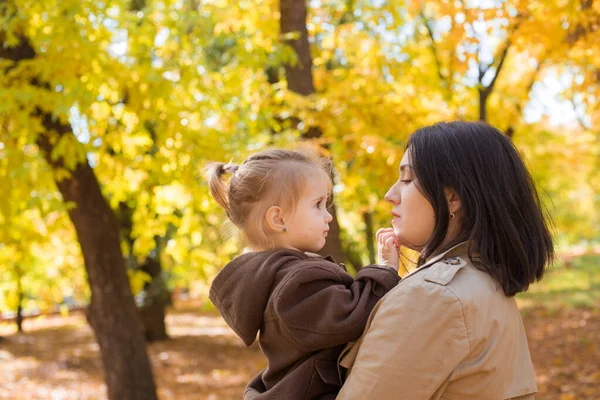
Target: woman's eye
(406, 180)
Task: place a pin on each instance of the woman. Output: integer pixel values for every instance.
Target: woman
(451, 329)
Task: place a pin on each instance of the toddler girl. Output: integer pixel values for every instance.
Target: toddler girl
(305, 307)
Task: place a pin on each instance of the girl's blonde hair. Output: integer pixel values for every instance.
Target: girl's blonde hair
(268, 178)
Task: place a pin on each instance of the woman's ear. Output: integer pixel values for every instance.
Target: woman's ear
(274, 217)
(454, 204)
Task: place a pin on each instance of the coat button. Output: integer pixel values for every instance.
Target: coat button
(452, 261)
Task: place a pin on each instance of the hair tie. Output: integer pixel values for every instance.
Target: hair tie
(231, 168)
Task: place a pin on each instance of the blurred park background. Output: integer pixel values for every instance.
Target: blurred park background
(110, 109)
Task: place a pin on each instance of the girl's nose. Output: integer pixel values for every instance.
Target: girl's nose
(329, 217)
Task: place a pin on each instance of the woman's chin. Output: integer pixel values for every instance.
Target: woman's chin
(405, 242)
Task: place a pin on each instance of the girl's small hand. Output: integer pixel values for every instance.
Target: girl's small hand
(388, 247)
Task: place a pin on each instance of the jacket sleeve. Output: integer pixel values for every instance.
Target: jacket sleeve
(416, 340)
(321, 306)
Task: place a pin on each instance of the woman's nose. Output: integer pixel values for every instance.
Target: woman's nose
(393, 195)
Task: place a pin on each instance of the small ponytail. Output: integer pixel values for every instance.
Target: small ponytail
(218, 188)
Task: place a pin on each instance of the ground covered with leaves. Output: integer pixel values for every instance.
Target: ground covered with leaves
(57, 358)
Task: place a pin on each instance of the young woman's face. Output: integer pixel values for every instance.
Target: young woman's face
(413, 216)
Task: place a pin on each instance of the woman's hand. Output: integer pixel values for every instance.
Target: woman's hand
(387, 247)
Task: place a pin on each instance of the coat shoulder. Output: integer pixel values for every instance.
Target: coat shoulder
(445, 270)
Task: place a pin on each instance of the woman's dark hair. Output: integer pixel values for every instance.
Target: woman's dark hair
(501, 211)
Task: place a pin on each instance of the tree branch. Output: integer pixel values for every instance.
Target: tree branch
(508, 43)
(510, 131)
(436, 57)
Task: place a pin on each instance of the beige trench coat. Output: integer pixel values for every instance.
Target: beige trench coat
(447, 331)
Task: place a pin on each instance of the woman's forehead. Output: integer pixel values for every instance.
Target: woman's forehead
(406, 160)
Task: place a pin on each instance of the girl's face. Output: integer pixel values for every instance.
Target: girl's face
(413, 215)
(307, 227)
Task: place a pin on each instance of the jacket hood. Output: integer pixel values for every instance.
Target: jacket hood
(242, 289)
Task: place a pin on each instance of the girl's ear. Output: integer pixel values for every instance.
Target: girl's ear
(454, 204)
(274, 217)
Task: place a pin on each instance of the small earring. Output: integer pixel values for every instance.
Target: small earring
(452, 215)
(284, 229)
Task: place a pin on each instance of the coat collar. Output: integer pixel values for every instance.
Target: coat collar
(461, 249)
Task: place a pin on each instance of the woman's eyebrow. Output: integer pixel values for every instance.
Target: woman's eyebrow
(405, 166)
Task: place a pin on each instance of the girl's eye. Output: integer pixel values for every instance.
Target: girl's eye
(406, 180)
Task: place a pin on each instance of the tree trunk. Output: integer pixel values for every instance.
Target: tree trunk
(300, 80)
(155, 294)
(293, 20)
(370, 236)
(19, 319)
(112, 312)
(153, 320)
(483, 96)
(333, 245)
(157, 299)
